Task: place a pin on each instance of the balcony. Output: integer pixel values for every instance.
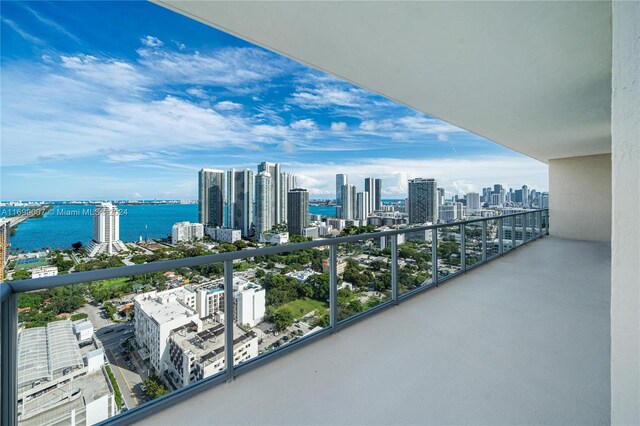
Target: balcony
(506, 328)
(521, 340)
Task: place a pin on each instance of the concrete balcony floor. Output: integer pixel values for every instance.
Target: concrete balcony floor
(521, 340)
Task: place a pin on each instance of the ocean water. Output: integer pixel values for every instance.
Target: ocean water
(63, 225)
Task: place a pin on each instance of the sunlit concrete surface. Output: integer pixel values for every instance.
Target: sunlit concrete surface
(521, 340)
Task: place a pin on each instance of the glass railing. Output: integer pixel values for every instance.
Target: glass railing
(144, 335)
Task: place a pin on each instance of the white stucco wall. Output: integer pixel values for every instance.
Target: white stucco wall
(580, 197)
(625, 241)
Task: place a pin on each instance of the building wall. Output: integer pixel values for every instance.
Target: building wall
(580, 197)
(625, 239)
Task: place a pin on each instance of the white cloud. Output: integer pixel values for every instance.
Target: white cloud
(443, 138)
(151, 41)
(456, 175)
(197, 92)
(339, 126)
(306, 124)
(228, 106)
(368, 126)
(287, 146)
(326, 97)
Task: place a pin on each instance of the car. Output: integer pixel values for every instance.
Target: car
(109, 331)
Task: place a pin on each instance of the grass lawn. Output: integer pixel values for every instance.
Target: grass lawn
(306, 305)
(112, 282)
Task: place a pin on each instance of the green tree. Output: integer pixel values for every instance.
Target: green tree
(283, 318)
(21, 274)
(155, 388)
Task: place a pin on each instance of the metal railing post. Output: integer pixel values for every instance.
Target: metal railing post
(9, 359)
(500, 231)
(539, 227)
(546, 222)
(434, 255)
(228, 318)
(525, 229)
(513, 231)
(484, 240)
(333, 286)
(394, 268)
(463, 247)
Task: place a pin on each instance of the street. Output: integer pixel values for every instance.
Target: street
(127, 376)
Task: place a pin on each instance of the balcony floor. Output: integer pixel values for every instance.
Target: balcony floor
(521, 340)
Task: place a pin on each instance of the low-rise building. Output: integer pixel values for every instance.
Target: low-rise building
(301, 276)
(157, 314)
(275, 238)
(58, 382)
(197, 351)
(224, 235)
(340, 266)
(44, 271)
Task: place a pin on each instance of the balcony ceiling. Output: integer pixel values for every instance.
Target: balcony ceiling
(532, 76)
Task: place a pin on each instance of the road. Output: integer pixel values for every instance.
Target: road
(128, 379)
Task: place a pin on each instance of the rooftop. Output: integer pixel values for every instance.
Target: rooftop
(46, 351)
(505, 344)
(165, 305)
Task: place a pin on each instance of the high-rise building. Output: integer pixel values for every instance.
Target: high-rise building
(276, 199)
(341, 180)
(298, 210)
(544, 200)
(486, 195)
(186, 231)
(495, 200)
(473, 201)
(525, 195)
(362, 205)
(370, 187)
(377, 197)
(348, 202)
(5, 235)
(423, 200)
(288, 181)
(240, 200)
(211, 197)
(106, 231)
(264, 203)
(441, 196)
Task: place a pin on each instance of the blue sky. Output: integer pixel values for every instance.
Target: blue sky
(125, 100)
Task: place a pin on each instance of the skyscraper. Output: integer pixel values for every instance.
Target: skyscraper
(473, 201)
(211, 197)
(362, 205)
(276, 198)
(341, 180)
(441, 196)
(370, 187)
(288, 181)
(240, 200)
(297, 210)
(423, 200)
(377, 197)
(264, 203)
(525, 195)
(106, 231)
(348, 202)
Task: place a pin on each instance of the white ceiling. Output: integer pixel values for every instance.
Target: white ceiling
(532, 76)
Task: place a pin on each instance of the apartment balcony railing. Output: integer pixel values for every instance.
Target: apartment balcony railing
(443, 251)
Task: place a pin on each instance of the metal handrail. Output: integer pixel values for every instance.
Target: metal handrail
(22, 286)
(9, 299)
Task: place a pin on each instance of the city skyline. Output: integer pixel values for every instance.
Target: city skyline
(148, 102)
